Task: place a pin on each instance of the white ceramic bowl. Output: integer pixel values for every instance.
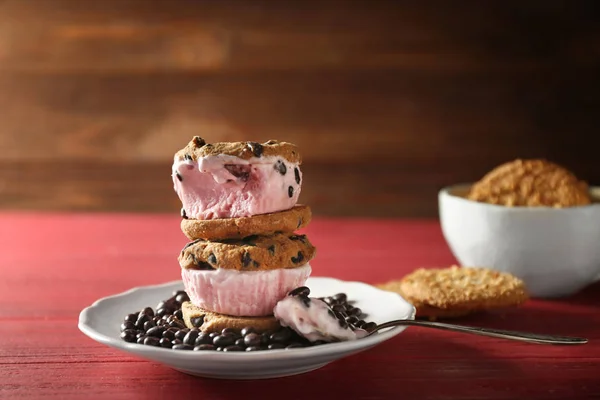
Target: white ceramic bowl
(555, 251)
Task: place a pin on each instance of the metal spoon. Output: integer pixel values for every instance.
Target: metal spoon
(497, 333)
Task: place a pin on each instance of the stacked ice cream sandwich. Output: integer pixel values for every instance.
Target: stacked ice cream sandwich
(240, 214)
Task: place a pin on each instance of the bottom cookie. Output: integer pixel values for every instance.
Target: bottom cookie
(207, 321)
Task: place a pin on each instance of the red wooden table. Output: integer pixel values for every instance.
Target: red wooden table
(53, 265)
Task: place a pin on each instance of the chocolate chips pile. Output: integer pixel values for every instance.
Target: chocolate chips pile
(165, 328)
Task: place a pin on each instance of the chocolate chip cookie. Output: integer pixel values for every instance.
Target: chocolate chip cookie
(198, 148)
(252, 253)
(206, 321)
(238, 228)
(455, 291)
(531, 183)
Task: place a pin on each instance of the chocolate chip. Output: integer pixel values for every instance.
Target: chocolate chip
(224, 340)
(181, 177)
(369, 326)
(341, 316)
(187, 157)
(247, 330)
(177, 324)
(190, 337)
(338, 308)
(212, 259)
(176, 342)
(301, 238)
(299, 258)
(240, 342)
(253, 348)
(305, 300)
(198, 141)
(203, 265)
(140, 340)
(197, 321)
(188, 245)
(359, 323)
(275, 346)
(169, 334)
(297, 175)
(129, 335)
(166, 343)
(265, 338)
(281, 336)
(142, 319)
(151, 341)
(341, 297)
(299, 291)
(331, 313)
(203, 338)
(132, 317)
(355, 311)
(246, 259)
(180, 334)
(233, 348)
(329, 301)
(182, 347)
(181, 298)
(351, 320)
(240, 171)
(203, 347)
(290, 191)
(127, 325)
(156, 331)
(280, 167)
(252, 339)
(148, 311)
(228, 331)
(183, 214)
(271, 249)
(255, 148)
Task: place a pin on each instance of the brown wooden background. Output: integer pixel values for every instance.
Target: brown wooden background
(388, 100)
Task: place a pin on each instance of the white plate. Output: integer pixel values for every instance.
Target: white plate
(101, 322)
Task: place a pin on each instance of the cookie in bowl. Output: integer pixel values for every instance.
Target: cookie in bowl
(531, 183)
(531, 218)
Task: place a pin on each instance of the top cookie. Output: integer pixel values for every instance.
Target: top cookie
(533, 183)
(252, 253)
(198, 148)
(456, 291)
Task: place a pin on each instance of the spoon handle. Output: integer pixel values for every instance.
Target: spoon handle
(497, 333)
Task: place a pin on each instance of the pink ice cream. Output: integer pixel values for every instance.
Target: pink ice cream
(242, 293)
(313, 319)
(224, 186)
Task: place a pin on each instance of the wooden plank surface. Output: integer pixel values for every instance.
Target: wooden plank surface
(433, 93)
(45, 283)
